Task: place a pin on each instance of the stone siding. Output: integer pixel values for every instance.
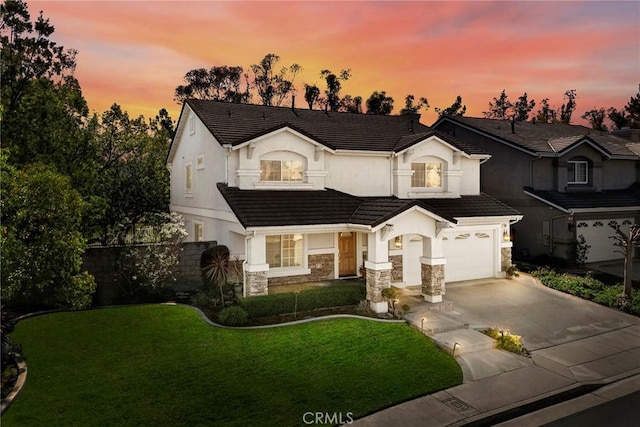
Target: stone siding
(377, 280)
(322, 268)
(505, 255)
(256, 283)
(396, 271)
(433, 280)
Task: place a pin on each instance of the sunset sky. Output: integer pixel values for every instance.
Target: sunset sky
(135, 53)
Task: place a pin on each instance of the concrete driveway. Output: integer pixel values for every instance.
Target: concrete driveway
(542, 316)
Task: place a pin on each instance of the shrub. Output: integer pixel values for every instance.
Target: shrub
(233, 316)
(204, 299)
(506, 340)
(309, 299)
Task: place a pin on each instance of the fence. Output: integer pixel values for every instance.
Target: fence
(102, 263)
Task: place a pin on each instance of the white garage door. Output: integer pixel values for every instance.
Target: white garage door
(469, 254)
(596, 233)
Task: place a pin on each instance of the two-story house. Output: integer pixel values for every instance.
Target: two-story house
(307, 195)
(570, 182)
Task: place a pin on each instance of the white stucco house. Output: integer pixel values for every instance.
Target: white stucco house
(307, 195)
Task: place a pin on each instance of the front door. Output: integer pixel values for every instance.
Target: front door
(347, 254)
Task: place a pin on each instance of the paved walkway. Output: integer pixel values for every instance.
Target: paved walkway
(581, 354)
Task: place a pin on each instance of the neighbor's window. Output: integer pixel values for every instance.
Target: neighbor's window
(427, 175)
(281, 170)
(577, 172)
(285, 250)
(188, 177)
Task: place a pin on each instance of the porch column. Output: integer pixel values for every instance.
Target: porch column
(432, 270)
(255, 267)
(378, 272)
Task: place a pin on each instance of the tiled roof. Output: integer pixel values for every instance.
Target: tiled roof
(235, 124)
(591, 200)
(263, 208)
(546, 137)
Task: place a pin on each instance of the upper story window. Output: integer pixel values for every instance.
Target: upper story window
(285, 250)
(577, 172)
(281, 170)
(427, 175)
(188, 177)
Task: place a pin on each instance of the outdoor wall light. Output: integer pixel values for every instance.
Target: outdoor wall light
(398, 242)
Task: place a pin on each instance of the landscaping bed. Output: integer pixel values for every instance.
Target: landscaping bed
(163, 365)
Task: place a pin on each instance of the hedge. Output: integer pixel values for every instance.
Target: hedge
(590, 289)
(310, 299)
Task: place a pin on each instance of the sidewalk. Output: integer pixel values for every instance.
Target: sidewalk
(502, 387)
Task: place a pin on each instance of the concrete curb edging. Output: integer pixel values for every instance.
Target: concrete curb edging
(17, 387)
(295, 322)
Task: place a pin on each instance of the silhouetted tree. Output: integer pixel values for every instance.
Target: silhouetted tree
(523, 107)
(629, 116)
(499, 108)
(220, 83)
(272, 85)
(456, 109)
(625, 244)
(351, 104)
(596, 118)
(545, 113)
(567, 109)
(410, 107)
(379, 103)
(334, 85)
(311, 94)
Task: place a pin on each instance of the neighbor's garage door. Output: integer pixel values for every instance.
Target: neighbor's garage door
(596, 233)
(469, 254)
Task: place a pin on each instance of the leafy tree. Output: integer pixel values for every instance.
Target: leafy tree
(596, 118)
(27, 52)
(220, 83)
(311, 94)
(567, 109)
(379, 103)
(523, 107)
(410, 107)
(334, 85)
(132, 180)
(41, 245)
(456, 109)
(545, 113)
(351, 104)
(499, 107)
(625, 244)
(273, 85)
(629, 116)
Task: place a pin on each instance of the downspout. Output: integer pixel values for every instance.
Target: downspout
(391, 175)
(229, 148)
(538, 157)
(247, 245)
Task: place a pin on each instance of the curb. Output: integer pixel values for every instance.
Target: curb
(22, 377)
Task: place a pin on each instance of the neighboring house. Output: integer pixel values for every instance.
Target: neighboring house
(570, 182)
(308, 195)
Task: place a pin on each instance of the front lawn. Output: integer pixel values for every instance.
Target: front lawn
(163, 365)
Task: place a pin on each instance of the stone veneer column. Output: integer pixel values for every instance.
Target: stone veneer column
(256, 283)
(378, 278)
(433, 286)
(505, 255)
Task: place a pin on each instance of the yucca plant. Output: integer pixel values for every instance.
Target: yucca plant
(214, 264)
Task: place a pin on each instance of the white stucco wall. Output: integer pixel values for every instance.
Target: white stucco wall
(360, 175)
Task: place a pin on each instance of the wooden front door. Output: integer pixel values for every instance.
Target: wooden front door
(347, 254)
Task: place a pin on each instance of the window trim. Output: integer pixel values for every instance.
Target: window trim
(196, 225)
(572, 180)
(281, 180)
(192, 125)
(303, 255)
(425, 185)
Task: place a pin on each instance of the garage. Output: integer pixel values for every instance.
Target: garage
(470, 254)
(596, 233)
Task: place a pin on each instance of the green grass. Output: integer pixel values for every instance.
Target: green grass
(163, 365)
